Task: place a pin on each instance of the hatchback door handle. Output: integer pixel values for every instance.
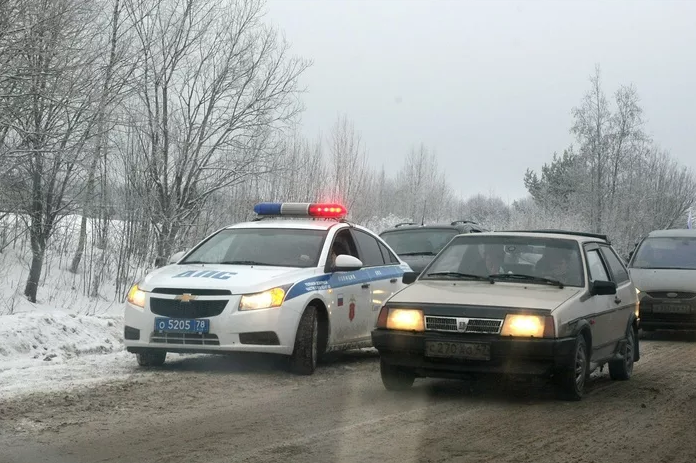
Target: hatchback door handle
(366, 285)
(393, 280)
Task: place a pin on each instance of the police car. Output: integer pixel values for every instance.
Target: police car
(297, 281)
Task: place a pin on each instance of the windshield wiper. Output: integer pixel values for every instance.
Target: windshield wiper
(523, 277)
(242, 262)
(469, 276)
(420, 253)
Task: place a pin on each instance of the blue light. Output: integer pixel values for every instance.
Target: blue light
(268, 208)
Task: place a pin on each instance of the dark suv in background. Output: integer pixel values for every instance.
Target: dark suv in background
(663, 268)
(417, 244)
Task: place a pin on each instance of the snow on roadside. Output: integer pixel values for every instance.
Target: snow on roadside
(57, 350)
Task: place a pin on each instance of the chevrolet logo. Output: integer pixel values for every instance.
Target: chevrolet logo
(185, 298)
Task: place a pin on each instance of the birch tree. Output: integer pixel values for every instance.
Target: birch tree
(216, 86)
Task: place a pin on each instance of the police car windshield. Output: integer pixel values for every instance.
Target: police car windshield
(279, 247)
(666, 253)
(421, 241)
(525, 259)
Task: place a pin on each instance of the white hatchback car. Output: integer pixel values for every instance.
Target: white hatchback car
(299, 281)
(551, 303)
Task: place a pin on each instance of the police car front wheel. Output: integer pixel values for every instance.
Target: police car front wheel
(151, 358)
(303, 360)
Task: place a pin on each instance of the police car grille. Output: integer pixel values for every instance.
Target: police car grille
(185, 338)
(192, 309)
(474, 325)
(193, 292)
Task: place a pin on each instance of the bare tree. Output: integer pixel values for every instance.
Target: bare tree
(51, 122)
(216, 86)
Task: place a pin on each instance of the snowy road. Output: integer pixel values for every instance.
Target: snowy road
(218, 409)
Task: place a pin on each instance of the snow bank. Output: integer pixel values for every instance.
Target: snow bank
(57, 350)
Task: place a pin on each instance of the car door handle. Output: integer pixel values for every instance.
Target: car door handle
(617, 300)
(366, 285)
(393, 280)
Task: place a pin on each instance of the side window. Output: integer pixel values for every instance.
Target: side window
(370, 253)
(596, 266)
(615, 265)
(388, 256)
(344, 244)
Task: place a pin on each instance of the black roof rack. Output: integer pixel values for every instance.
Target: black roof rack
(563, 232)
(404, 223)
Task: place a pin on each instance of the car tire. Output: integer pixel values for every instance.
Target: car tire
(303, 360)
(622, 369)
(570, 384)
(151, 358)
(395, 378)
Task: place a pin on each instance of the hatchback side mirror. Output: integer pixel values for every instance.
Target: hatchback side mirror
(603, 288)
(176, 257)
(409, 277)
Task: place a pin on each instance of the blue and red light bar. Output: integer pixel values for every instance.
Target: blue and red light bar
(314, 210)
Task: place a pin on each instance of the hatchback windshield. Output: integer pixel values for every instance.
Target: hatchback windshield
(282, 247)
(665, 253)
(426, 241)
(510, 258)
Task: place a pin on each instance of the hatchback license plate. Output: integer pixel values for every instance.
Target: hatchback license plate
(181, 325)
(672, 308)
(458, 350)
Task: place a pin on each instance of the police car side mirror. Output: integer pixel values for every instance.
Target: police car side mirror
(176, 257)
(346, 263)
(409, 277)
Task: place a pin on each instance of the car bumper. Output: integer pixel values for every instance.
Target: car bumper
(666, 321)
(537, 357)
(267, 330)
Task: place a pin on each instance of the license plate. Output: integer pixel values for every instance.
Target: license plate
(182, 325)
(458, 350)
(672, 308)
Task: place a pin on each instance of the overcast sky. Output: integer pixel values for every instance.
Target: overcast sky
(489, 85)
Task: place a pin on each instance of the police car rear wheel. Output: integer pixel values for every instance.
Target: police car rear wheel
(303, 360)
(395, 378)
(152, 358)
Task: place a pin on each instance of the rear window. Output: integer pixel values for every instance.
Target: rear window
(666, 253)
(421, 241)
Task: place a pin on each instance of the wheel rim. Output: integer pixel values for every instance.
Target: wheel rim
(315, 341)
(580, 366)
(628, 355)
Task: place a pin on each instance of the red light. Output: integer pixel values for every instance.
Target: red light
(327, 210)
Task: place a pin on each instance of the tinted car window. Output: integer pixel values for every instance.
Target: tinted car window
(665, 253)
(596, 267)
(420, 241)
(388, 256)
(617, 268)
(283, 247)
(484, 255)
(370, 253)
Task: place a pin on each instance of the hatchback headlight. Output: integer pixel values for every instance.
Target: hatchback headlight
(263, 300)
(528, 326)
(401, 319)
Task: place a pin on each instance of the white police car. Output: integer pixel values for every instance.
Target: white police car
(298, 281)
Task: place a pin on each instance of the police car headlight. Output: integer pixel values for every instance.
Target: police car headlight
(263, 300)
(137, 296)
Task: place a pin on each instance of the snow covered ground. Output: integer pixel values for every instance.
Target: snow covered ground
(53, 350)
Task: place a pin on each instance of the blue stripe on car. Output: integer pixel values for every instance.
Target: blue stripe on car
(341, 279)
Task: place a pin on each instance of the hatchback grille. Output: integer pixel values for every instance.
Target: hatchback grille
(664, 295)
(473, 325)
(185, 338)
(193, 292)
(192, 309)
